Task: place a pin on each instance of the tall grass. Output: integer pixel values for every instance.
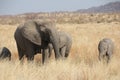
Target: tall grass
(82, 64)
(61, 70)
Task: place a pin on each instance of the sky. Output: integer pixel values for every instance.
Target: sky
(13, 7)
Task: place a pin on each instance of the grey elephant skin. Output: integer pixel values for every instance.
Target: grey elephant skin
(5, 53)
(105, 48)
(65, 43)
(32, 36)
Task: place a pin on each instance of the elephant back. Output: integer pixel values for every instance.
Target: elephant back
(105, 44)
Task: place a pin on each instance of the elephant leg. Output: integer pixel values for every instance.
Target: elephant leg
(30, 55)
(108, 59)
(30, 58)
(67, 50)
(50, 52)
(45, 56)
(108, 55)
(30, 50)
(101, 56)
(62, 51)
(50, 47)
(21, 56)
(20, 52)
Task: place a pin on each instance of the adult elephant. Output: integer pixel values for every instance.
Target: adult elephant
(32, 36)
(65, 43)
(105, 48)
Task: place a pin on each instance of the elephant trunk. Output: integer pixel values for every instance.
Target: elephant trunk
(54, 39)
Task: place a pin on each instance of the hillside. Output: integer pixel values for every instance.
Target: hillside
(107, 8)
(103, 14)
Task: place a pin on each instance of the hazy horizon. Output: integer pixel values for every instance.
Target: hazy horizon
(8, 7)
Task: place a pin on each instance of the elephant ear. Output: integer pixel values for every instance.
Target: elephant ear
(30, 32)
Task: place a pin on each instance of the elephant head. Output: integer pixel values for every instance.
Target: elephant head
(39, 31)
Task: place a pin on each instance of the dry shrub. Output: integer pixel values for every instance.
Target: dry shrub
(63, 17)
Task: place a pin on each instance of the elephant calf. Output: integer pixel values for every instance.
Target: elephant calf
(5, 53)
(105, 48)
(65, 43)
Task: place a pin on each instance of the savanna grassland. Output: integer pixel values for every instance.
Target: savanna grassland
(82, 64)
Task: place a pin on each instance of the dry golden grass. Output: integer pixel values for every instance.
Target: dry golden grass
(82, 63)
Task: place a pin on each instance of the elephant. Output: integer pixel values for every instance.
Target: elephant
(65, 43)
(34, 35)
(5, 53)
(105, 48)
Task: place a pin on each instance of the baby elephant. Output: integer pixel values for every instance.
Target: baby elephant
(5, 53)
(105, 48)
(65, 43)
